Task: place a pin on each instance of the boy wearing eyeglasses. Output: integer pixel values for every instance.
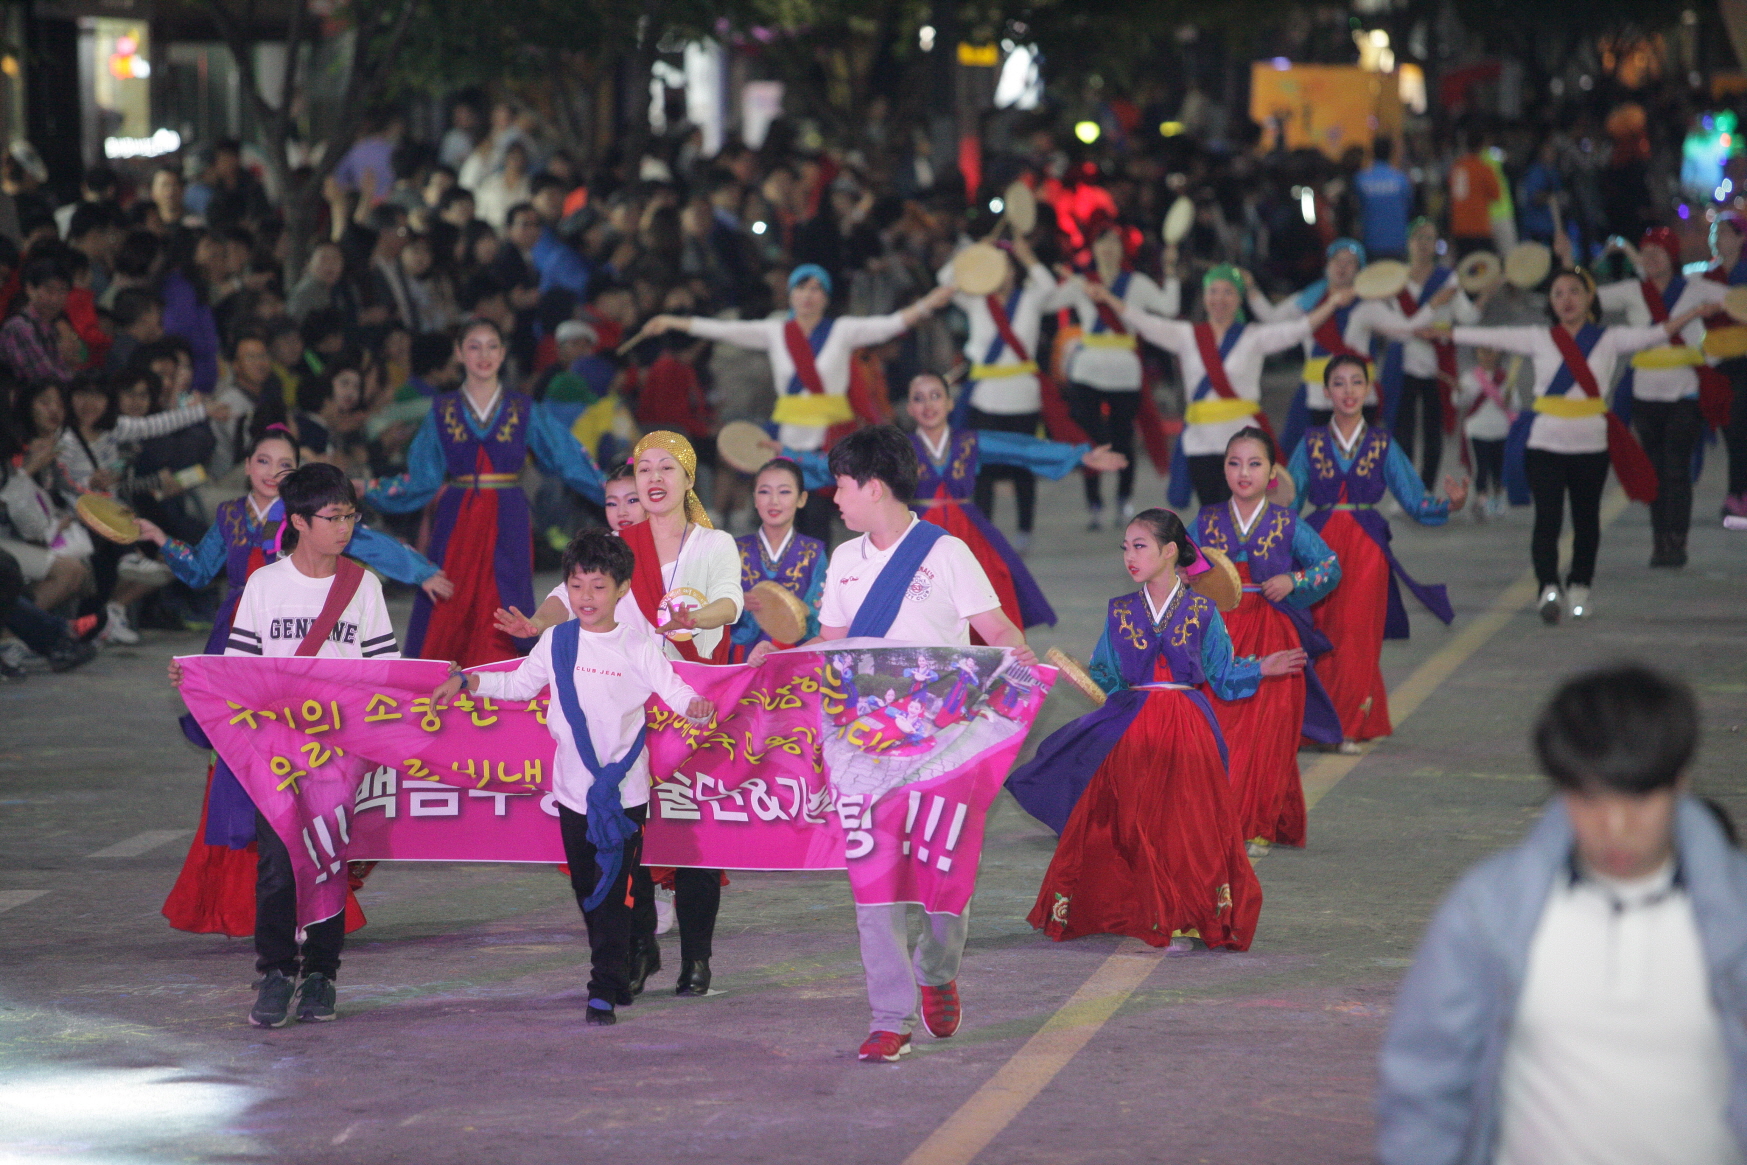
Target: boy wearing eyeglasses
(286, 610)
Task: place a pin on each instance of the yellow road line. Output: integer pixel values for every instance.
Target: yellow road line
(979, 1120)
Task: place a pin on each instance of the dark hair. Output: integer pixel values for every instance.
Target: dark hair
(306, 489)
(879, 451)
(1622, 729)
(1383, 149)
(785, 465)
(1167, 527)
(431, 352)
(545, 181)
(105, 388)
(99, 178)
(1583, 277)
(259, 335)
(274, 431)
(314, 392)
(138, 252)
(1336, 361)
(1261, 437)
(26, 397)
(45, 269)
(623, 471)
(598, 550)
(131, 303)
(92, 216)
(453, 195)
(472, 324)
(520, 208)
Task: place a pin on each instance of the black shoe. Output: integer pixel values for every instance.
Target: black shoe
(71, 653)
(273, 1001)
(694, 978)
(600, 1016)
(315, 999)
(1677, 548)
(645, 961)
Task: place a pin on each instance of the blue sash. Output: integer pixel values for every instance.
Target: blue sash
(880, 608)
(1625, 392)
(1516, 443)
(1119, 289)
(608, 826)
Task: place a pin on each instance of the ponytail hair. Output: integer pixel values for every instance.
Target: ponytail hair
(1165, 526)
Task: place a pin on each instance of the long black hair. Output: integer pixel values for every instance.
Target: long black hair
(1165, 526)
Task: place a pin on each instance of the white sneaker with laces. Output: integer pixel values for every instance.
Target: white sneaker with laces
(136, 567)
(1128, 511)
(1581, 607)
(118, 630)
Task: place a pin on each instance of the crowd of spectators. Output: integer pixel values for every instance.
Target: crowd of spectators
(154, 323)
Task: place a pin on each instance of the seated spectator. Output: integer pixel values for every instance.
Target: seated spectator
(37, 631)
(27, 341)
(50, 543)
(315, 290)
(138, 319)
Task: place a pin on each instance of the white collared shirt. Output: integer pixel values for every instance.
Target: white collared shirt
(948, 588)
(1616, 1053)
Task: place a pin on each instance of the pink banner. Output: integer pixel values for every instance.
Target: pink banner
(878, 760)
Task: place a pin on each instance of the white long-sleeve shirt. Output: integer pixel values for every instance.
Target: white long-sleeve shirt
(1663, 384)
(80, 463)
(1109, 367)
(1564, 434)
(616, 673)
(1019, 393)
(707, 569)
(1368, 317)
(1243, 366)
(847, 334)
(1488, 422)
(1419, 357)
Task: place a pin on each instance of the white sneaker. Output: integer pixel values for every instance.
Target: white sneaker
(136, 567)
(1095, 520)
(1128, 511)
(1495, 505)
(117, 629)
(1581, 607)
(1552, 606)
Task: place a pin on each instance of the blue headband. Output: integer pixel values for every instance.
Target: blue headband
(1353, 245)
(810, 271)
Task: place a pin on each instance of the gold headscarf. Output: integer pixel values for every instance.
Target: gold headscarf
(681, 450)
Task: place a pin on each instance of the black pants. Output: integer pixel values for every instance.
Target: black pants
(1668, 431)
(1551, 477)
(1488, 464)
(1735, 436)
(1108, 418)
(1207, 474)
(1024, 481)
(276, 916)
(609, 924)
(1421, 399)
(697, 898)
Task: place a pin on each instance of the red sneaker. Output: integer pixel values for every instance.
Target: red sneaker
(940, 1009)
(884, 1047)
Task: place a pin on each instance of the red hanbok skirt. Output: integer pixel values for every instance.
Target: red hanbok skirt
(1352, 617)
(1153, 849)
(1262, 732)
(215, 890)
(950, 516)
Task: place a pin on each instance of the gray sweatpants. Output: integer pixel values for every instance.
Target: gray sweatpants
(886, 957)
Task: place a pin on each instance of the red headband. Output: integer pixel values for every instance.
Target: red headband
(1666, 239)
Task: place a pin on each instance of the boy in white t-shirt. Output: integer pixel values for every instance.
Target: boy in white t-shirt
(937, 593)
(601, 672)
(279, 614)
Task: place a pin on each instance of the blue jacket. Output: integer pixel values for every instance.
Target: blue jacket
(1437, 1098)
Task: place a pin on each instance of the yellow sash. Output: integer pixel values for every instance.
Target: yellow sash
(1314, 368)
(1570, 409)
(1108, 340)
(1667, 356)
(815, 409)
(1217, 410)
(1002, 371)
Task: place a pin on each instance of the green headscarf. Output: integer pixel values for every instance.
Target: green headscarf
(1232, 275)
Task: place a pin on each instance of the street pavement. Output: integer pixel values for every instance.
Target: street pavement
(461, 1036)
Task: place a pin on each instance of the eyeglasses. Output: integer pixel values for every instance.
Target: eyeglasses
(350, 519)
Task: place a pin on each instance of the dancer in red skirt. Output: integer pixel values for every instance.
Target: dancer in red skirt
(1285, 568)
(1151, 845)
(1343, 469)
